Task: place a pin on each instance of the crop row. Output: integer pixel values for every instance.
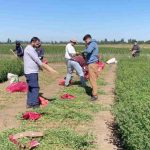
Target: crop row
(132, 109)
(10, 65)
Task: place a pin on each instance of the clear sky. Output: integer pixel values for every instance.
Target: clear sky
(63, 19)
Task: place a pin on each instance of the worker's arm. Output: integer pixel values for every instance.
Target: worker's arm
(36, 59)
(72, 54)
(48, 68)
(90, 48)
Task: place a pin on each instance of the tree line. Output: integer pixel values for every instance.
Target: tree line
(105, 41)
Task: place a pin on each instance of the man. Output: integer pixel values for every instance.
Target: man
(92, 58)
(40, 52)
(135, 49)
(71, 64)
(32, 64)
(19, 49)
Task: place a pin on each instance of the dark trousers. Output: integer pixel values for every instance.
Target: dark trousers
(33, 92)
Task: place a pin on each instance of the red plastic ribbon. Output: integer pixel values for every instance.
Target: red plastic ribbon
(31, 116)
(67, 96)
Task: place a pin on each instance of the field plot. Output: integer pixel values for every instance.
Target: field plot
(80, 124)
(133, 102)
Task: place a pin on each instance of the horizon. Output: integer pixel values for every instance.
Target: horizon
(60, 21)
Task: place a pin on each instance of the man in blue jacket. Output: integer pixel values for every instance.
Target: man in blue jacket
(92, 57)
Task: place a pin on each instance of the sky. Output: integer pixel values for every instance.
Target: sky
(65, 19)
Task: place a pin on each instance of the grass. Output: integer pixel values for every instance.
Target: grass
(55, 53)
(10, 66)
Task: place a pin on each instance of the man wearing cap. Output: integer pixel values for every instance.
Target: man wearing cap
(92, 57)
(71, 64)
(135, 49)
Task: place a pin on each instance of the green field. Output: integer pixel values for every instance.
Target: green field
(131, 109)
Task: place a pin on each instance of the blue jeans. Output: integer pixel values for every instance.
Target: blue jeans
(33, 92)
(71, 65)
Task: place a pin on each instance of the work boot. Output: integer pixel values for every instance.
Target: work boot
(94, 98)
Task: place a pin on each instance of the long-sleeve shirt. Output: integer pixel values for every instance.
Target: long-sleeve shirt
(32, 62)
(136, 47)
(92, 52)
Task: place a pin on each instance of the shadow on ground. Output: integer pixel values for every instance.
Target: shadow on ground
(115, 136)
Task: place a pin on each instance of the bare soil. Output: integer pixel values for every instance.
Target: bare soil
(103, 125)
(13, 104)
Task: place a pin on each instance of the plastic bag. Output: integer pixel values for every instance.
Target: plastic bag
(86, 75)
(67, 96)
(31, 116)
(12, 77)
(101, 66)
(17, 87)
(43, 102)
(112, 61)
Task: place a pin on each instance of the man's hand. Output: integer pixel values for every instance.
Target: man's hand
(77, 53)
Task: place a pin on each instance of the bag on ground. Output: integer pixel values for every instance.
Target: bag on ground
(112, 61)
(12, 78)
(17, 87)
(31, 116)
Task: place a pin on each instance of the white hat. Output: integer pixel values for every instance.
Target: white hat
(73, 40)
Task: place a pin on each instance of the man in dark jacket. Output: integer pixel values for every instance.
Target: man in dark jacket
(40, 52)
(135, 49)
(19, 49)
(92, 57)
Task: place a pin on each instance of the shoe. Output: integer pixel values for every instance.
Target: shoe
(94, 98)
(28, 106)
(34, 107)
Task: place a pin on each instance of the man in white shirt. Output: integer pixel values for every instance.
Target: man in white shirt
(71, 64)
(70, 50)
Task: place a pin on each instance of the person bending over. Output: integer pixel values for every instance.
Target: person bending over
(71, 64)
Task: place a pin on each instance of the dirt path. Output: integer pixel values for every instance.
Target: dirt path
(49, 87)
(104, 120)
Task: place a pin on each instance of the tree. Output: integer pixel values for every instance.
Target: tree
(8, 41)
(106, 41)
